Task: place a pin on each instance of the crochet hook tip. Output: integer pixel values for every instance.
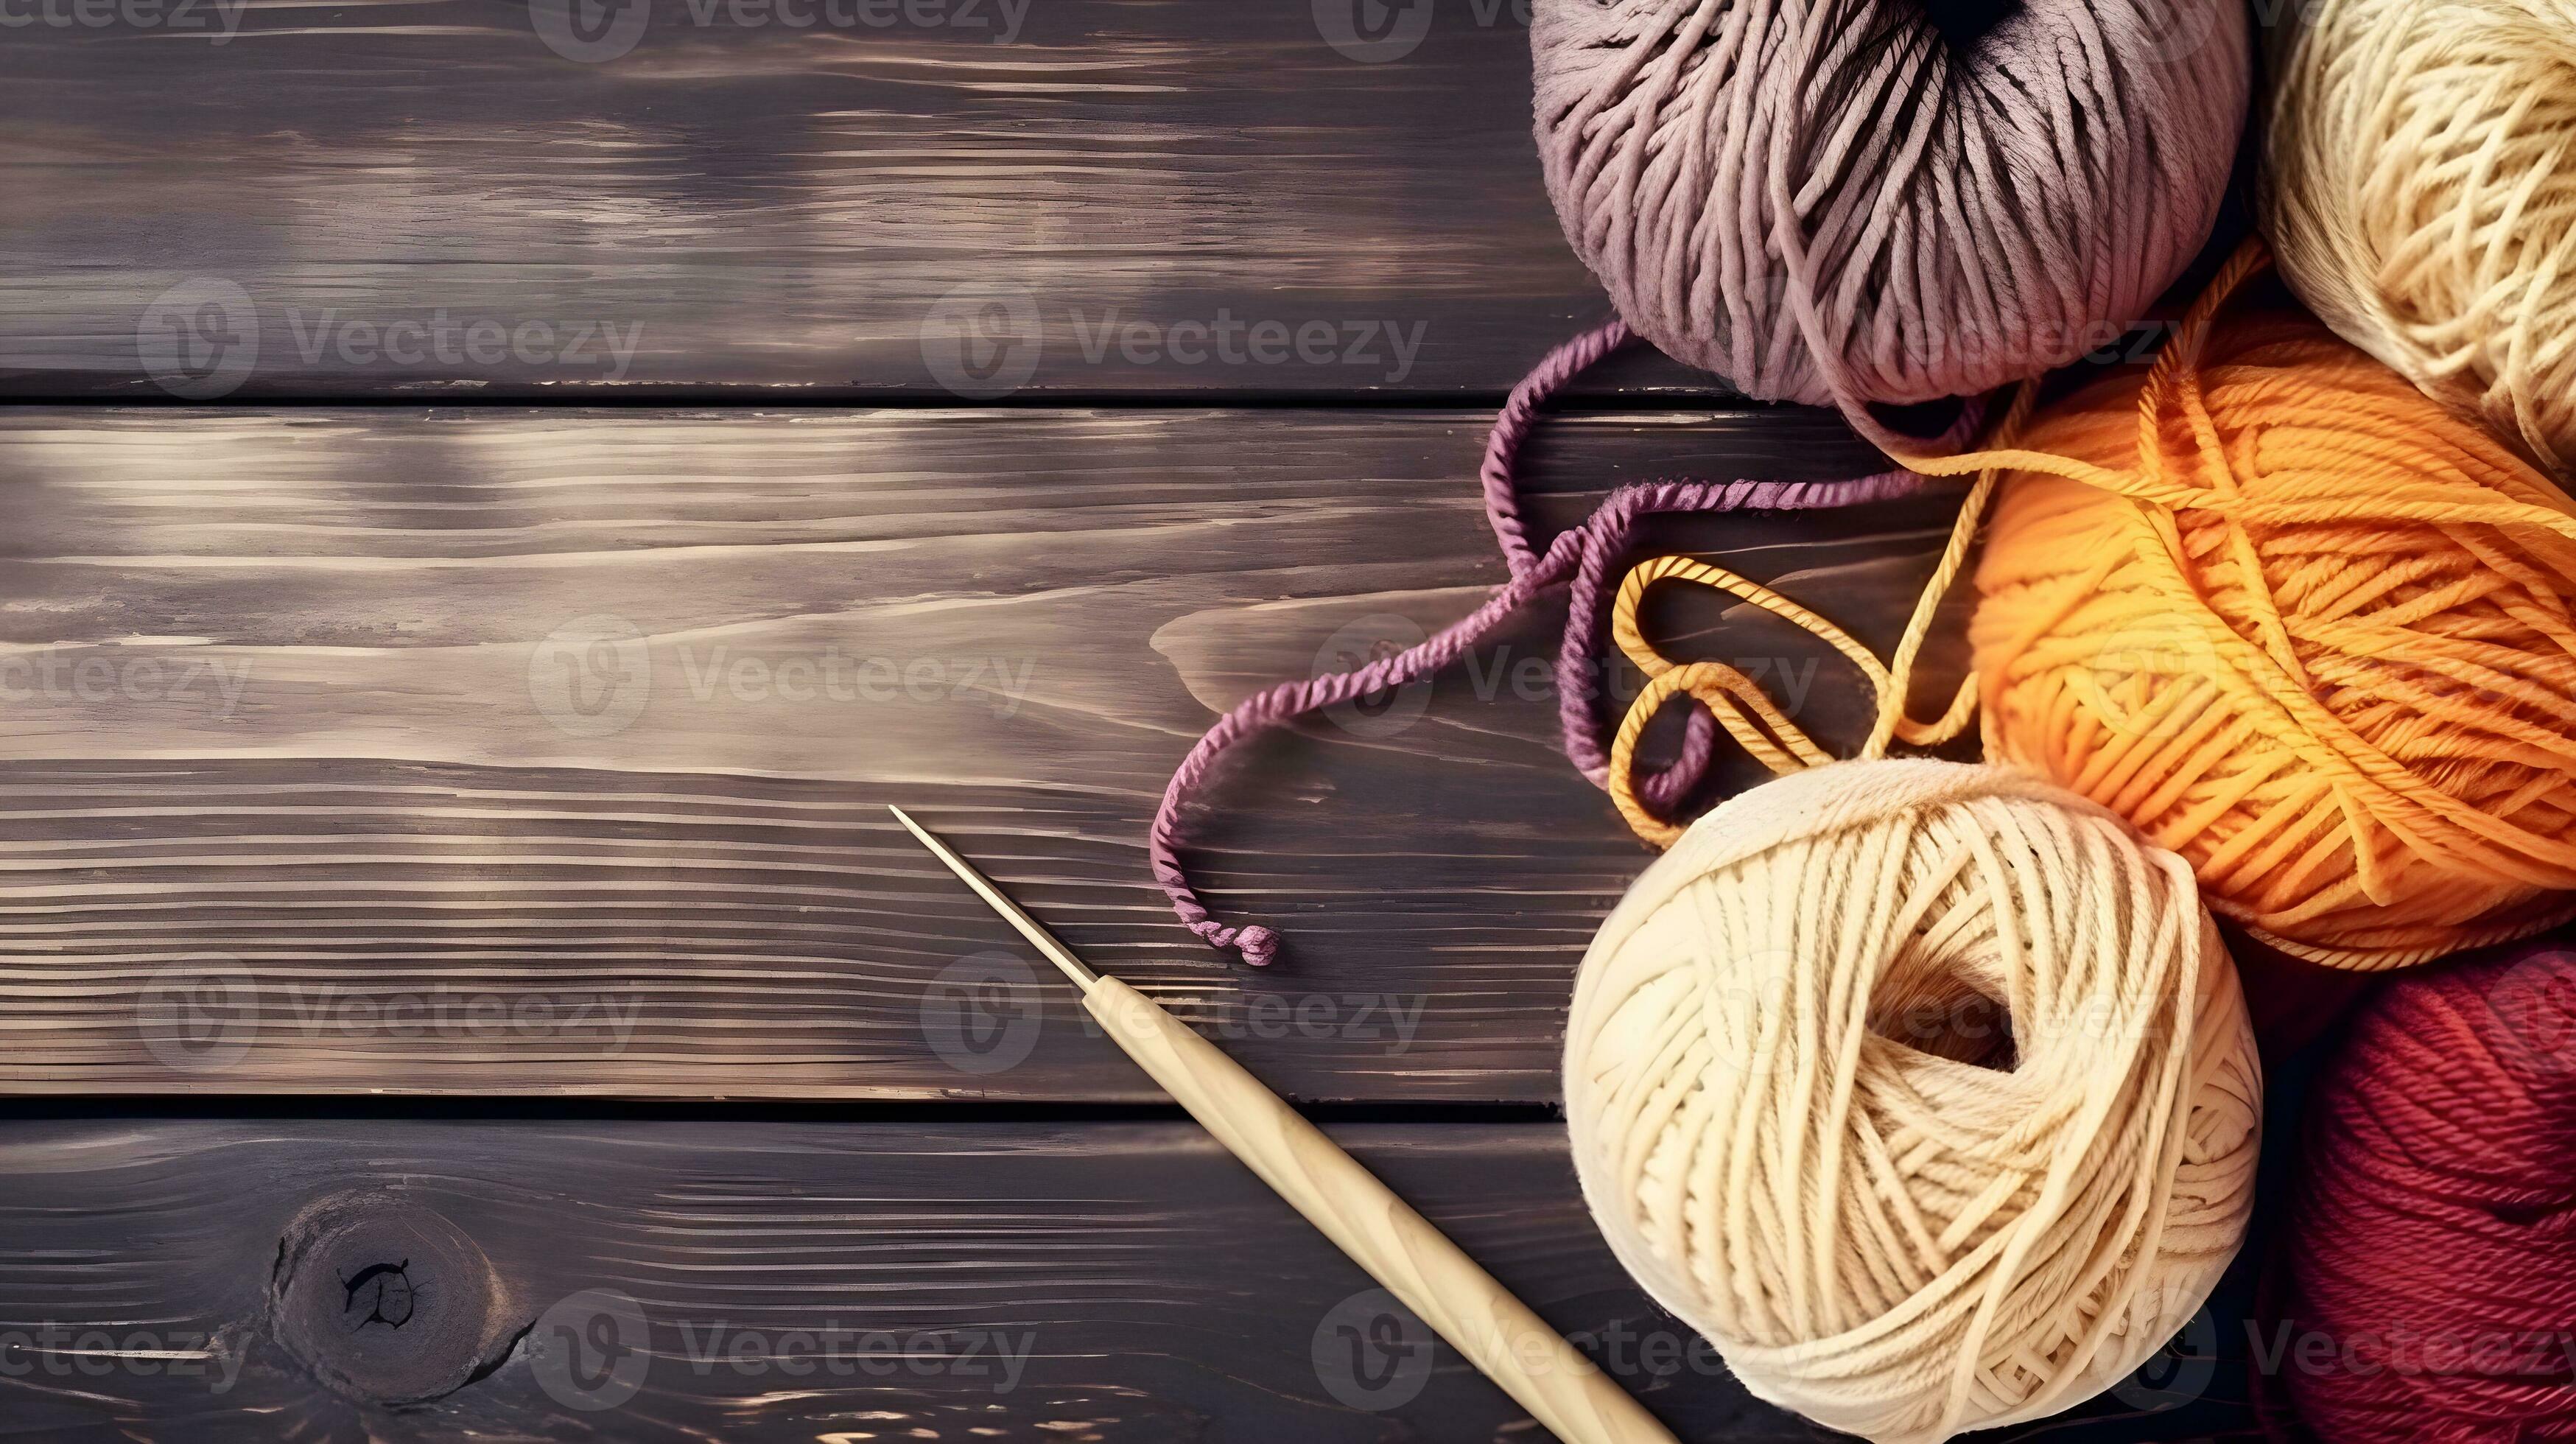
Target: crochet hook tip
(1028, 927)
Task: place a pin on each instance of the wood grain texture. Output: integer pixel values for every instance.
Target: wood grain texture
(683, 1282)
(1100, 193)
(502, 751)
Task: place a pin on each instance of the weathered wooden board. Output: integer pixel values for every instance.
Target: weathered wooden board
(393, 1280)
(545, 751)
(806, 198)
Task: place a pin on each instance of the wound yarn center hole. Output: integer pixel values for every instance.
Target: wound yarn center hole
(1945, 1015)
(1965, 22)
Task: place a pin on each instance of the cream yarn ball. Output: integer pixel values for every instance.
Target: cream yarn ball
(1891, 1219)
(2419, 185)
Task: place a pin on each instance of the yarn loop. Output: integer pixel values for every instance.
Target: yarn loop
(1579, 560)
(2291, 618)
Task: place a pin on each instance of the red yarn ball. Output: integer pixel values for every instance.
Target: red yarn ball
(2430, 1280)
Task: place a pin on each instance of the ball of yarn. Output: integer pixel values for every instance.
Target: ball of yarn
(1925, 1091)
(2428, 1282)
(2303, 626)
(2419, 182)
(1833, 201)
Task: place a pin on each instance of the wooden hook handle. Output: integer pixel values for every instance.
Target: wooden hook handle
(1381, 1232)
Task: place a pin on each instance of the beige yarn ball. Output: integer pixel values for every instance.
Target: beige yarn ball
(1798, 1135)
(2419, 185)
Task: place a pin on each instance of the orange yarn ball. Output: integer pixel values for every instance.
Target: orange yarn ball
(2317, 639)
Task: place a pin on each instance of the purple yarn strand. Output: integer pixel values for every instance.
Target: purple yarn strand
(1581, 557)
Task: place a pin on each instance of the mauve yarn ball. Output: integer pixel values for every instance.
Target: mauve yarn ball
(2429, 1262)
(1841, 202)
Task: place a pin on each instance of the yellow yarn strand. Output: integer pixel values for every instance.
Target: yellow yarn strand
(1739, 703)
(2339, 625)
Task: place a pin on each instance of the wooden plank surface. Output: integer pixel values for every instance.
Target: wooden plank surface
(541, 752)
(943, 197)
(395, 1280)
(545, 751)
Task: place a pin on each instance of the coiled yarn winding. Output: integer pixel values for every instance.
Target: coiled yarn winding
(1900, 1229)
(1835, 202)
(2419, 182)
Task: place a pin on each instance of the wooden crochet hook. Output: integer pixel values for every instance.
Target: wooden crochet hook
(1362, 1216)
